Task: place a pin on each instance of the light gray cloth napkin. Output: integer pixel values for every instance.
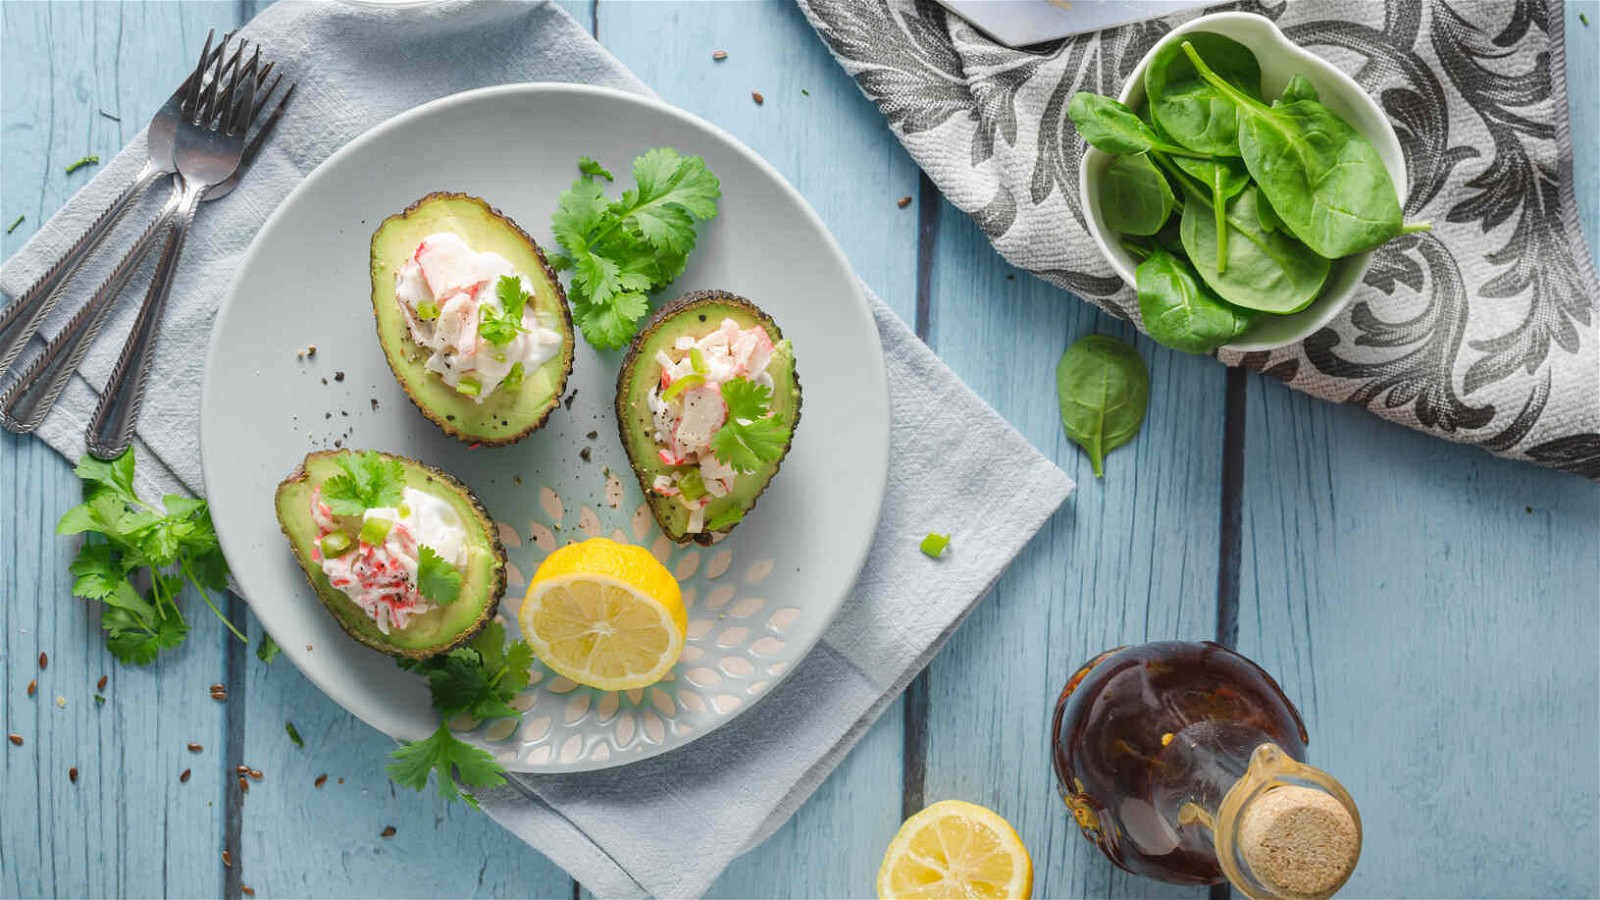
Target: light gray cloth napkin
(954, 463)
(1484, 331)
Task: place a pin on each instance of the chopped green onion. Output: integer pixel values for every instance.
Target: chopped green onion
(86, 161)
(692, 485)
(294, 734)
(681, 385)
(15, 224)
(427, 310)
(373, 531)
(469, 386)
(513, 379)
(697, 361)
(335, 543)
(725, 519)
(934, 544)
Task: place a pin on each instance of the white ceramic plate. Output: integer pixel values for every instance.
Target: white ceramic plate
(758, 600)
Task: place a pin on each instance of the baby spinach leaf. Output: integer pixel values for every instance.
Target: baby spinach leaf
(1104, 389)
(1135, 197)
(1110, 126)
(1271, 272)
(1224, 177)
(1188, 108)
(1299, 88)
(1323, 178)
(1180, 311)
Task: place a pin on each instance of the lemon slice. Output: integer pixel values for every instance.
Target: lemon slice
(956, 849)
(605, 614)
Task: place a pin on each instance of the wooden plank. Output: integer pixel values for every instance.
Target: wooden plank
(814, 127)
(1432, 611)
(1132, 557)
(127, 827)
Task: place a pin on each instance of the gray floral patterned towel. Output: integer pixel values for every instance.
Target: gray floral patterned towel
(1482, 331)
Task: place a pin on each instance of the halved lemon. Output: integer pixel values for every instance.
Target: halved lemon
(956, 849)
(605, 614)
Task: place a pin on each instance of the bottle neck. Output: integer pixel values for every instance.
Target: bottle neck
(1281, 829)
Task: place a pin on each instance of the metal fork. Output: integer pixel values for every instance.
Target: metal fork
(210, 144)
(25, 404)
(20, 320)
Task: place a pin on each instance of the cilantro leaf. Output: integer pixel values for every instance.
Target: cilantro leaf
(371, 481)
(621, 250)
(437, 579)
(453, 761)
(593, 169)
(752, 436)
(100, 475)
(138, 644)
(501, 326)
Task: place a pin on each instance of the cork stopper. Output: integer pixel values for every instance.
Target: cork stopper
(1300, 842)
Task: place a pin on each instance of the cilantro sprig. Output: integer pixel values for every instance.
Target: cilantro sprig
(437, 579)
(129, 541)
(501, 326)
(751, 436)
(620, 250)
(480, 681)
(370, 481)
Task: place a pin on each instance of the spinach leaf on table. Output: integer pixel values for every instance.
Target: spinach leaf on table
(1180, 311)
(1110, 126)
(1104, 389)
(1323, 178)
(1135, 197)
(1266, 271)
(1189, 109)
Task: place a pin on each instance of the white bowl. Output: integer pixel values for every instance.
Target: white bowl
(1280, 60)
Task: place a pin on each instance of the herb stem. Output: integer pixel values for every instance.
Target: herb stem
(1415, 227)
(184, 565)
(85, 161)
(15, 224)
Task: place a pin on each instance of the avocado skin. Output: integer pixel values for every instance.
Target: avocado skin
(497, 589)
(663, 317)
(443, 420)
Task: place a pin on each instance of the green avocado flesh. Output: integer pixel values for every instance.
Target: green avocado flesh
(509, 413)
(483, 579)
(696, 315)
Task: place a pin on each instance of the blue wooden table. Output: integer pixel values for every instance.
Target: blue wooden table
(1431, 609)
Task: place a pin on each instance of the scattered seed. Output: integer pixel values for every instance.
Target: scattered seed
(903, 202)
(592, 435)
(516, 480)
(241, 769)
(33, 687)
(804, 92)
(719, 55)
(756, 96)
(247, 890)
(339, 375)
(15, 224)
(15, 738)
(44, 660)
(101, 684)
(341, 781)
(388, 832)
(244, 786)
(584, 454)
(184, 778)
(72, 774)
(61, 702)
(85, 161)
(109, 116)
(311, 350)
(227, 859)
(218, 687)
(374, 404)
(321, 780)
(256, 774)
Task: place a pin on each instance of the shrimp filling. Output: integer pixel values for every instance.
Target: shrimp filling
(688, 415)
(444, 290)
(381, 577)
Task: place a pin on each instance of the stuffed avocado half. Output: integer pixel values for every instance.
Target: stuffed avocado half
(707, 403)
(472, 319)
(403, 555)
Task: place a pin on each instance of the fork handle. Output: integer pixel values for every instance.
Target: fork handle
(20, 320)
(28, 400)
(111, 428)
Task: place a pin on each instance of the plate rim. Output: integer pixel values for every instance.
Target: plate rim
(860, 305)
